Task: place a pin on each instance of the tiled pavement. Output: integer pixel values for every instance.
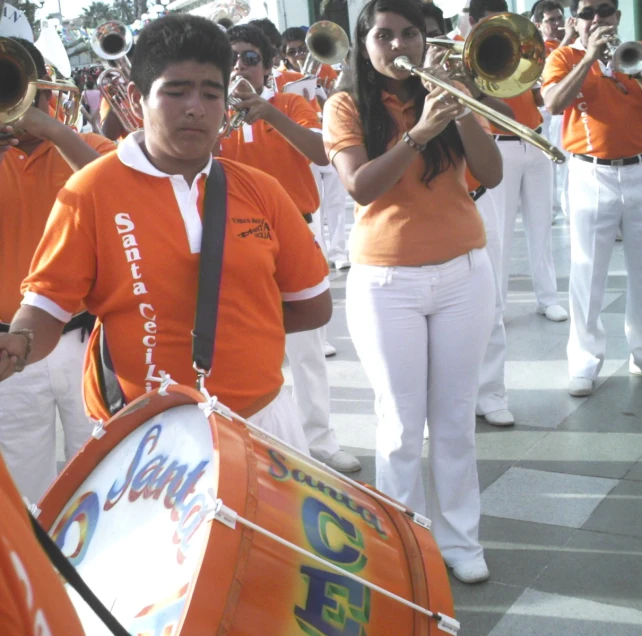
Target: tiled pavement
(561, 491)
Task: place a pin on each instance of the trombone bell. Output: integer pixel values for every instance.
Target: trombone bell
(18, 77)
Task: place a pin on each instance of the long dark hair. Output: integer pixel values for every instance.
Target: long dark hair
(378, 125)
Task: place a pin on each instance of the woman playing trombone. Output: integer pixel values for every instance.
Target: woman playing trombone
(420, 292)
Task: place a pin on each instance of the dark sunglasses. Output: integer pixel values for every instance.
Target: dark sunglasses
(249, 58)
(302, 50)
(604, 11)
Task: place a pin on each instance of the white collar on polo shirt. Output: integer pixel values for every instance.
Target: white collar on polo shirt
(132, 155)
(267, 93)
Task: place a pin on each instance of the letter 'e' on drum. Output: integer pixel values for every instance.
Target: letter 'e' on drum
(184, 522)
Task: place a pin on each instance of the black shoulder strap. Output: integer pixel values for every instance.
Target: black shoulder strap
(112, 393)
(211, 266)
(68, 571)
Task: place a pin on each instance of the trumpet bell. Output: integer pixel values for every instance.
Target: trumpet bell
(18, 77)
(627, 58)
(504, 55)
(112, 40)
(327, 43)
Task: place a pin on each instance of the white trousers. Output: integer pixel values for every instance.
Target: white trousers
(602, 199)
(311, 390)
(333, 212)
(421, 333)
(281, 418)
(560, 171)
(528, 184)
(492, 387)
(28, 405)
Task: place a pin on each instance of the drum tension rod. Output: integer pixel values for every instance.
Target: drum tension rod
(229, 518)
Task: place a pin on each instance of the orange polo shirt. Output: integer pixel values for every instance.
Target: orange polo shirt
(132, 256)
(525, 112)
(411, 224)
(550, 46)
(33, 600)
(262, 146)
(28, 188)
(604, 119)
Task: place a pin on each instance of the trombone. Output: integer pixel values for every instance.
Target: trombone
(504, 56)
(19, 84)
(111, 41)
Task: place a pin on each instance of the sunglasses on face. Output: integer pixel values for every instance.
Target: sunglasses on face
(604, 11)
(249, 58)
(302, 50)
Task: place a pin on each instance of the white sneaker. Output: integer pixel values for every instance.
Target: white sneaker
(501, 417)
(472, 571)
(342, 265)
(343, 462)
(634, 369)
(580, 387)
(329, 350)
(556, 313)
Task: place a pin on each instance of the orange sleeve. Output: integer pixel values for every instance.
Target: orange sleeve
(557, 67)
(63, 268)
(302, 112)
(328, 73)
(341, 125)
(99, 143)
(300, 264)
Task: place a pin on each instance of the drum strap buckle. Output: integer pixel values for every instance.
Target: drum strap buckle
(212, 405)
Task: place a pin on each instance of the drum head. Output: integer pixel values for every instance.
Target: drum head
(135, 526)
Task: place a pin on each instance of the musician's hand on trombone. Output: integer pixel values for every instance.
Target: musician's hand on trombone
(440, 108)
(7, 140)
(38, 123)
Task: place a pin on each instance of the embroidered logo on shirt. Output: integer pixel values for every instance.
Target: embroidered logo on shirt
(262, 230)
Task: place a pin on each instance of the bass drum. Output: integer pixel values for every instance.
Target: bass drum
(138, 513)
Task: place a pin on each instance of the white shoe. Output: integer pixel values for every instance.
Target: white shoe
(342, 265)
(426, 431)
(472, 571)
(618, 236)
(580, 387)
(634, 369)
(329, 350)
(556, 313)
(501, 417)
(343, 462)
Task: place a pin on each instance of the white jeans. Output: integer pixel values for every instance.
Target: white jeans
(528, 183)
(28, 404)
(492, 388)
(280, 418)
(602, 199)
(421, 333)
(560, 170)
(333, 212)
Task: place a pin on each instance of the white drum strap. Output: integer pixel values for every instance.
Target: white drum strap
(230, 518)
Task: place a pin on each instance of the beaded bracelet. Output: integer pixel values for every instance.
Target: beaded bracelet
(412, 143)
(28, 334)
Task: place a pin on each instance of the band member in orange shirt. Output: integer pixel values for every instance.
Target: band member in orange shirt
(602, 111)
(527, 185)
(34, 166)
(281, 136)
(131, 252)
(33, 601)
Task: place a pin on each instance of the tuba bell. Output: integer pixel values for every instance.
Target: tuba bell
(19, 84)
(111, 41)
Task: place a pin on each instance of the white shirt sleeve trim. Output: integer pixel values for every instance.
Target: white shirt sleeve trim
(42, 302)
(306, 294)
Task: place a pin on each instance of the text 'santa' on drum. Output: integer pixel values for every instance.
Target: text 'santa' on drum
(134, 513)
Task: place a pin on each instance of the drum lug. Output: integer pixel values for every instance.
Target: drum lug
(422, 521)
(99, 430)
(447, 624)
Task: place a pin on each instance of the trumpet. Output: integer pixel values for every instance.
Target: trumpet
(504, 56)
(625, 57)
(237, 118)
(112, 41)
(19, 84)
(327, 43)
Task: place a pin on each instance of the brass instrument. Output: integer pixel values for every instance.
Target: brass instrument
(112, 41)
(504, 56)
(625, 57)
(233, 10)
(19, 84)
(327, 43)
(237, 118)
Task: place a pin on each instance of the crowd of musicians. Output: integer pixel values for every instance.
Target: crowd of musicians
(107, 228)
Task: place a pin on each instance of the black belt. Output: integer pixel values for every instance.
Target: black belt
(477, 194)
(514, 137)
(80, 321)
(628, 161)
(308, 217)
